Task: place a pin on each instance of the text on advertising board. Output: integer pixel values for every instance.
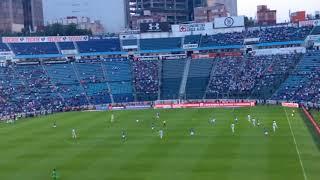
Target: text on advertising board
(44, 39)
(192, 27)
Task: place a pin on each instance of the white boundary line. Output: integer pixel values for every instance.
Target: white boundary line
(295, 143)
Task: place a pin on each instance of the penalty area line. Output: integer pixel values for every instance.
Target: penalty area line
(295, 143)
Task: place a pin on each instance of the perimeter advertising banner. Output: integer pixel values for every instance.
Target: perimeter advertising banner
(292, 105)
(229, 22)
(309, 23)
(39, 39)
(194, 28)
(205, 105)
(154, 27)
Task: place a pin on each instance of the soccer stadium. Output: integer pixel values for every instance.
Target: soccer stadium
(196, 102)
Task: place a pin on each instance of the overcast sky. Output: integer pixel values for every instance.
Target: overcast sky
(249, 7)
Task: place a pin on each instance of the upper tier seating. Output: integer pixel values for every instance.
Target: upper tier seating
(192, 39)
(106, 45)
(160, 43)
(3, 47)
(34, 48)
(222, 39)
(66, 45)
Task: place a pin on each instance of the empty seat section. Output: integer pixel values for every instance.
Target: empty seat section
(106, 45)
(160, 43)
(34, 48)
(66, 46)
(172, 71)
(198, 78)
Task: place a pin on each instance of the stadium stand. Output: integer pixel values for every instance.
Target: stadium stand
(192, 39)
(34, 48)
(3, 47)
(282, 34)
(146, 79)
(316, 30)
(66, 46)
(119, 76)
(105, 45)
(160, 43)
(303, 84)
(223, 39)
(198, 78)
(37, 84)
(172, 71)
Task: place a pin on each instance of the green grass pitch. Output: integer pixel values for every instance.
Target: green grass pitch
(316, 116)
(30, 149)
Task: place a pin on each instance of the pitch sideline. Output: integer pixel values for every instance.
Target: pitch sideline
(296, 146)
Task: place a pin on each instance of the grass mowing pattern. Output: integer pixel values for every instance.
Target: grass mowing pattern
(30, 149)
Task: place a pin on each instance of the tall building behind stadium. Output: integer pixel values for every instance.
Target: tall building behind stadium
(113, 14)
(231, 5)
(173, 11)
(16, 15)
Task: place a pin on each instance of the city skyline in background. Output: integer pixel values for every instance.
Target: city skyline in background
(101, 16)
(249, 7)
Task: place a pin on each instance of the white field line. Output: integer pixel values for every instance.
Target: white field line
(295, 143)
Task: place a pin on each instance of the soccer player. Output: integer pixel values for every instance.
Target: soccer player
(164, 123)
(258, 123)
(274, 126)
(54, 174)
(158, 115)
(236, 120)
(254, 122)
(213, 121)
(112, 118)
(54, 124)
(292, 113)
(123, 135)
(74, 134)
(152, 126)
(249, 117)
(161, 133)
(232, 128)
(266, 133)
(192, 132)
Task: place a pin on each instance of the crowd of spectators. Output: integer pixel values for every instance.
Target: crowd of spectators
(253, 76)
(304, 84)
(146, 76)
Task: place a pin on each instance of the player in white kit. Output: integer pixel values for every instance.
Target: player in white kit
(192, 132)
(249, 117)
(112, 118)
(254, 122)
(232, 128)
(213, 121)
(74, 134)
(161, 134)
(274, 126)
